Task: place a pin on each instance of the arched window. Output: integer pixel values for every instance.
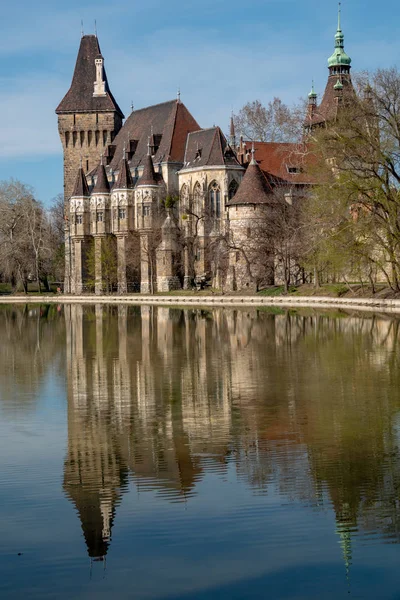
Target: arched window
(197, 199)
(233, 188)
(215, 200)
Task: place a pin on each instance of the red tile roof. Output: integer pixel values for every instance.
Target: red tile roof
(277, 160)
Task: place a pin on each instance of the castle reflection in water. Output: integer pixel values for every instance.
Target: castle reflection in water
(165, 396)
(302, 405)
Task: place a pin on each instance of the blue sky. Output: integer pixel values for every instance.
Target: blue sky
(221, 54)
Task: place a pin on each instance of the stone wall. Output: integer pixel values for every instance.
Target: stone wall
(86, 136)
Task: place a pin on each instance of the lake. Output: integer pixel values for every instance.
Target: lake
(163, 453)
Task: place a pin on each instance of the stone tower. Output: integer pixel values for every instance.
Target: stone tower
(88, 121)
(88, 116)
(250, 212)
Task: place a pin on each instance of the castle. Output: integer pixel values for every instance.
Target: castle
(172, 204)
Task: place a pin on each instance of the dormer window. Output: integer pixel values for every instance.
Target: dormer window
(294, 170)
(198, 154)
(156, 142)
(132, 146)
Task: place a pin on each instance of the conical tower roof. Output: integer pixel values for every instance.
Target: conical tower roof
(254, 188)
(148, 176)
(125, 181)
(102, 185)
(81, 187)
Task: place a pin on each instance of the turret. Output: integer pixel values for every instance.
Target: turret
(312, 102)
(79, 207)
(338, 91)
(100, 203)
(122, 199)
(166, 256)
(147, 194)
(76, 245)
(249, 211)
(232, 136)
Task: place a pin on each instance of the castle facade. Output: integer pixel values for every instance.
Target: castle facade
(168, 203)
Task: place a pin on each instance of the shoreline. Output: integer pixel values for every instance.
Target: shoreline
(366, 304)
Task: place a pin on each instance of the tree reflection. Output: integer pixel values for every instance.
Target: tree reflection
(32, 345)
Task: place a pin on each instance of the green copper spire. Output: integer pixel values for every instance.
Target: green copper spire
(312, 94)
(339, 58)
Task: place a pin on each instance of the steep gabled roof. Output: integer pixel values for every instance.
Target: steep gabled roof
(254, 188)
(81, 188)
(208, 147)
(170, 122)
(102, 185)
(79, 97)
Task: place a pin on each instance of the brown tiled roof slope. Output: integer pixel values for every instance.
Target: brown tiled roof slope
(81, 187)
(170, 120)
(208, 147)
(328, 109)
(254, 188)
(102, 185)
(79, 97)
(275, 159)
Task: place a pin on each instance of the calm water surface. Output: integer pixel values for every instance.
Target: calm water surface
(175, 454)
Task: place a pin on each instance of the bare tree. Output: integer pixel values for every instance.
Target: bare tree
(276, 122)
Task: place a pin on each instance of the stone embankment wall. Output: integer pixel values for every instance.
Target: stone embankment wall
(366, 304)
